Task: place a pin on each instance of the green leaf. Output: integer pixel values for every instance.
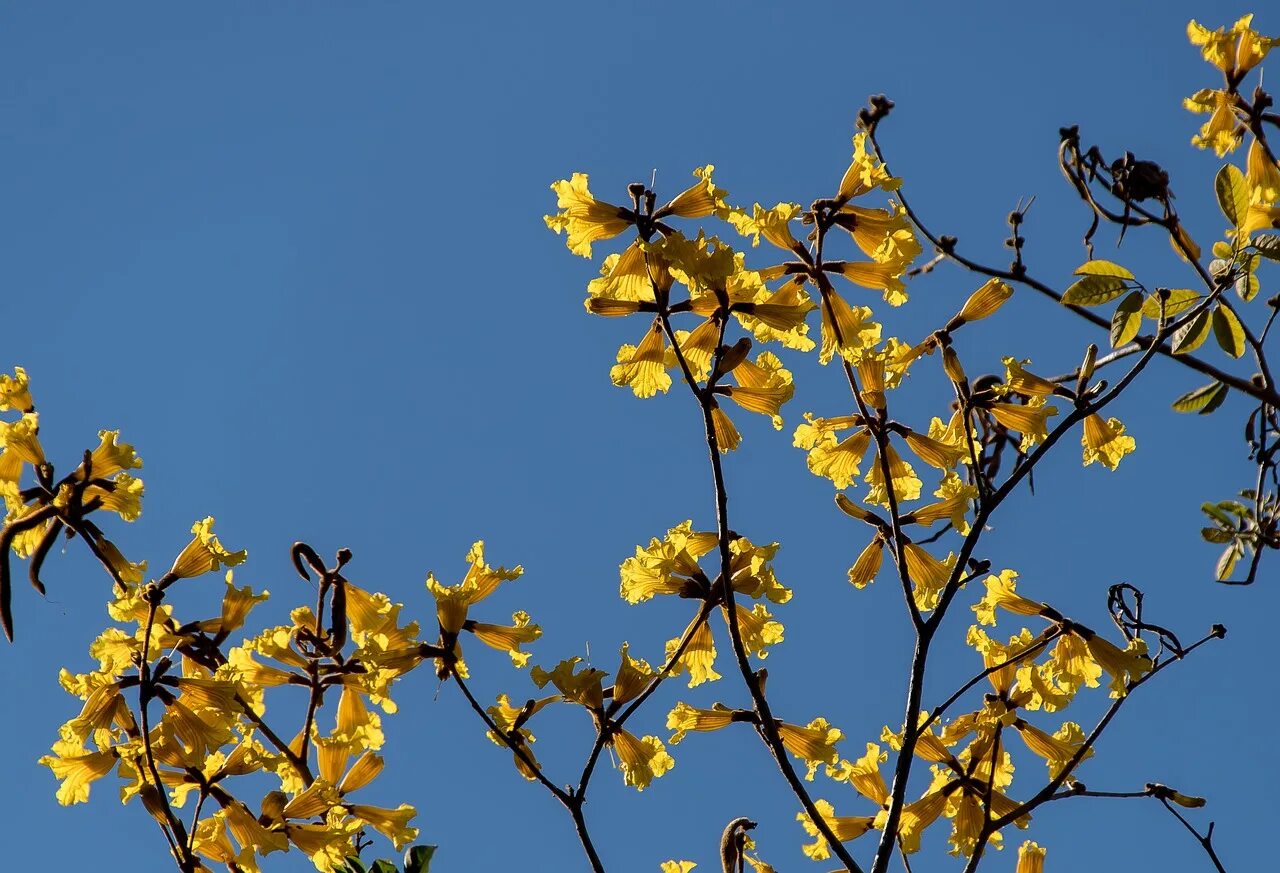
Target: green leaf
(1217, 535)
(1127, 319)
(1247, 287)
(1215, 401)
(418, 859)
(1191, 335)
(1233, 194)
(1197, 400)
(351, 865)
(1227, 563)
(383, 866)
(1268, 245)
(1102, 268)
(1215, 512)
(1180, 300)
(1094, 291)
(1228, 331)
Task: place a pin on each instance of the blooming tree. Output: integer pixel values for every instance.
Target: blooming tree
(177, 704)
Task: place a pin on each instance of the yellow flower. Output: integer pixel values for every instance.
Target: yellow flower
(582, 687)
(77, 769)
(883, 276)
(391, 823)
(847, 329)
(110, 457)
(867, 566)
(936, 453)
(481, 580)
(1123, 665)
(1262, 174)
(929, 745)
(698, 658)
(763, 386)
(696, 201)
(916, 818)
(865, 172)
(1030, 420)
(685, 718)
(906, 484)
(666, 566)
(1223, 131)
(632, 677)
(845, 828)
(751, 571)
(236, 603)
(995, 654)
(1057, 749)
(928, 575)
(1021, 381)
(204, 553)
(1001, 591)
(884, 235)
(508, 639)
(585, 219)
(1071, 665)
(1030, 858)
(778, 316)
(984, 302)
(829, 456)
(758, 629)
(15, 391)
(864, 774)
(772, 224)
(640, 760)
(1234, 52)
(123, 496)
(727, 436)
(1105, 441)
(815, 743)
(677, 866)
(644, 367)
(20, 438)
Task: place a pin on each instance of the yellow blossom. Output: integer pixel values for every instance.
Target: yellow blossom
(867, 565)
(204, 553)
(1030, 858)
(1223, 131)
(685, 718)
(763, 386)
(77, 769)
(665, 566)
(845, 829)
(644, 367)
(815, 743)
(906, 484)
(847, 329)
(641, 760)
(1030, 420)
(1001, 591)
(15, 391)
(509, 638)
(1234, 52)
(698, 658)
(864, 774)
(984, 302)
(1105, 441)
(696, 201)
(391, 823)
(584, 218)
(481, 580)
(1058, 748)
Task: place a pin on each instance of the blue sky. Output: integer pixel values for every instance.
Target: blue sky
(296, 254)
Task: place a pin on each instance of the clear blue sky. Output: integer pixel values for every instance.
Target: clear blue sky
(295, 252)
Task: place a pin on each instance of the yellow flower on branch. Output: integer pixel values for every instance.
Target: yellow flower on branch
(643, 368)
(685, 718)
(1236, 51)
(584, 218)
(815, 743)
(205, 553)
(641, 760)
(508, 638)
(1002, 592)
(864, 774)
(1030, 858)
(1105, 441)
(845, 828)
